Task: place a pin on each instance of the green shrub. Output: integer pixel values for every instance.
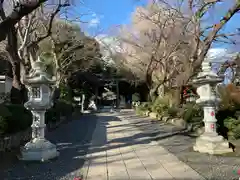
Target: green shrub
(135, 97)
(65, 93)
(4, 111)
(192, 113)
(14, 118)
(143, 107)
(139, 111)
(5, 97)
(3, 126)
(64, 108)
(173, 111)
(20, 118)
(232, 126)
(236, 133)
(146, 106)
(61, 108)
(52, 115)
(160, 105)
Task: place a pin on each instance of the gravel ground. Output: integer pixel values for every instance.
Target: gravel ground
(72, 141)
(209, 166)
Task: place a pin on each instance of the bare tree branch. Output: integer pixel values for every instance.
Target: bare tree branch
(18, 12)
(50, 23)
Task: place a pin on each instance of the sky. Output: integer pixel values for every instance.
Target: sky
(100, 17)
(106, 14)
(103, 15)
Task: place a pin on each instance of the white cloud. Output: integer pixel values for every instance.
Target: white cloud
(94, 22)
(220, 55)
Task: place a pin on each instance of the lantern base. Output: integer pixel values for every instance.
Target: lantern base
(38, 150)
(212, 144)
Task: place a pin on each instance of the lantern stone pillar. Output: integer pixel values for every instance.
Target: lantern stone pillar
(40, 99)
(209, 142)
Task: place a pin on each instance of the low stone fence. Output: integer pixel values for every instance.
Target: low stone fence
(19, 138)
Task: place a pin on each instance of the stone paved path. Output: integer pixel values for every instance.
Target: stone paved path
(212, 167)
(103, 147)
(130, 154)
(72, 140)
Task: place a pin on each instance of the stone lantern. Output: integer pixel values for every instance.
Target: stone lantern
(209, 142)
(40, 99)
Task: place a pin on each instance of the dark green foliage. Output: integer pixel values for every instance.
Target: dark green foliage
(232, 128)
(136, 97)
(15, 118)
(173, 111)
(3, 126)
(192, 113)
(145, 106)
(160, 105)
(65, 93)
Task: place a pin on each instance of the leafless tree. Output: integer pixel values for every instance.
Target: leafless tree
(189, 46)
(21, 24)
(157, 50)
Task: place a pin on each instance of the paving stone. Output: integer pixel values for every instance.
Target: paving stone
(116, 166)
(209, 166)
(104, 147)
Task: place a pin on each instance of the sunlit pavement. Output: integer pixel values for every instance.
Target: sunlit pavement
(103, 146)
(127, 153)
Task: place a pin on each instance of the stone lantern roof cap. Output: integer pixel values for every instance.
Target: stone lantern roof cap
(38, 76)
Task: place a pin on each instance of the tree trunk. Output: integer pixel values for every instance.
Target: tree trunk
(57, 91)
(161, 90)
(152, 94)
(154, 91)
(18, 91)
(17, 87)
(177, 96)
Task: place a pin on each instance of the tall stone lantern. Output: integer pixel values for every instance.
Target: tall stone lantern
(40, 99)
(209, 142)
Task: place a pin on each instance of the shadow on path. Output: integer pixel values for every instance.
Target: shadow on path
(181, 145)
(73, 141)
(77, 134)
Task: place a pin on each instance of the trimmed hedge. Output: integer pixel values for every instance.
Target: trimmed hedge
(15, 118)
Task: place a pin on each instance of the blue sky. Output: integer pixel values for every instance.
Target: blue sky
(113, 12)
(101, 15)
(217, 13)
(108, 13)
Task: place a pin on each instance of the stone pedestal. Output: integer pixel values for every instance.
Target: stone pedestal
(39, 150)
(212, 143)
